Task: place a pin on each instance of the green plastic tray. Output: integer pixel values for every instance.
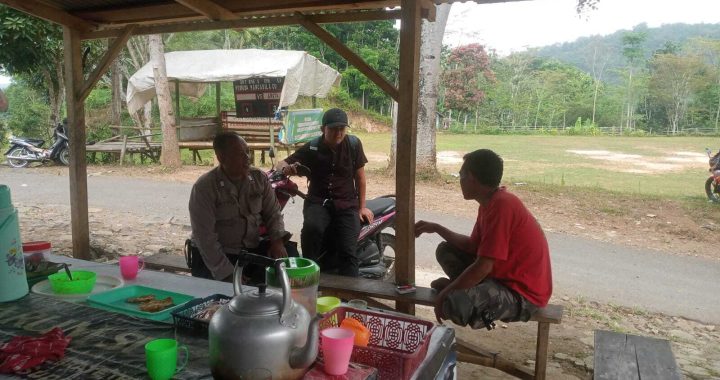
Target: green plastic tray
(114, 300)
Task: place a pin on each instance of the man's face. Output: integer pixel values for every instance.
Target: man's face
(467, 184)
(335, 135)
(235, 160)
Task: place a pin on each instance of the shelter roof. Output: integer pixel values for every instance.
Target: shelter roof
(107, 18)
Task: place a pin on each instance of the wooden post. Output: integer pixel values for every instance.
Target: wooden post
(217, 100)
(76, 127)
(541, 350)
(407, 137)
(177, 100)
(123, 149)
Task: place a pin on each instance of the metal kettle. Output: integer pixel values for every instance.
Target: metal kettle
(262, 330)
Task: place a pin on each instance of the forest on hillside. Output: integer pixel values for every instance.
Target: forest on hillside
(644, 81)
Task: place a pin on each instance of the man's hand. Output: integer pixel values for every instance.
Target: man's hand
(290, 169)
(366, 214)
(439, 300)
(423, 227)
(277, 249)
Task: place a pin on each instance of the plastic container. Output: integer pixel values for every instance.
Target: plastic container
(398, 344)
(326, 304)
(40, 248)
(83, 281)
(304, 277)
(13, 281)
(116, 300)
(188, 316)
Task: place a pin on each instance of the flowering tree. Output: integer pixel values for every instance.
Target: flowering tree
(468, 69)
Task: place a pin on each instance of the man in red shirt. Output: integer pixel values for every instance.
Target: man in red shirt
(502, 270)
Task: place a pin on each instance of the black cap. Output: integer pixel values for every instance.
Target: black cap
(334, 118)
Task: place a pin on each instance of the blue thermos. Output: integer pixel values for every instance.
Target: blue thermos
(13, 281)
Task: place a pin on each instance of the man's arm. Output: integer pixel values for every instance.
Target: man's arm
(271, 214)
(361, 184)
(202, 222)
(459, 241)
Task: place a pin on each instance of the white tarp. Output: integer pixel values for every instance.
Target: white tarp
(304, 74)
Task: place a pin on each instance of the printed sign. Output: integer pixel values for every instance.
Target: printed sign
(257, 97)
(301, 125)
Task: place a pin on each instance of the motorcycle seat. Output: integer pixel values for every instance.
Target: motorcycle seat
(35, 142)
(380, 206)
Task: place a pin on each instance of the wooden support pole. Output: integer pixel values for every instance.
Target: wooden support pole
(543, 338)
(123, 149)
(76, 126)
(349, 55)
(218, 88)
(114, 49)
(407, 138)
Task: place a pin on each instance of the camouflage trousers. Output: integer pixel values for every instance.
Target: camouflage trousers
(489, 300)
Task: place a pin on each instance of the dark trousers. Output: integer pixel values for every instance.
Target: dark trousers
(329, 237)
(487, 301)
(255, 273)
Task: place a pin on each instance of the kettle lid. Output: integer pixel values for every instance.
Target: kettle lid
(258, 302)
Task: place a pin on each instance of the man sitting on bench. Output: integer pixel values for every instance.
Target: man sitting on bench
(502, 270)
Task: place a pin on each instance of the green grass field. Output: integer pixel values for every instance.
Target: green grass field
(546, 160)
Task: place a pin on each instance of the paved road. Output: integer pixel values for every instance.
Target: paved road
(608, 273)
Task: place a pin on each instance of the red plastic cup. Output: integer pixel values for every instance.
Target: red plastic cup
(130, 266)
(337, 346)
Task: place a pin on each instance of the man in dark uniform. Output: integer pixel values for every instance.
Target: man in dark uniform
(336, 194)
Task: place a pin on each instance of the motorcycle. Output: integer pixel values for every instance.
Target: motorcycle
(23, 150)
(712, 184)
(375, 247)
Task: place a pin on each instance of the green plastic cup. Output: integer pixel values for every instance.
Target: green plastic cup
(327, 304)
(161, 358)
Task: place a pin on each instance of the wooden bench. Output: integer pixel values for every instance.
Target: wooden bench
(632, 357)
(260, 134)
(372, 290)
(369, 290)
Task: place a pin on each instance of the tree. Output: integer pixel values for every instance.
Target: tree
(170, 156)
(709, 50)
(3, 101)
(673, 82)
(633, 53)
(598, 58)
(468, 66)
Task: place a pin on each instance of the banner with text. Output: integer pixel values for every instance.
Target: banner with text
(258, 96)
(301, 125)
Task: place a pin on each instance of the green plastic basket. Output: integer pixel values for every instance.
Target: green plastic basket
(82, 282)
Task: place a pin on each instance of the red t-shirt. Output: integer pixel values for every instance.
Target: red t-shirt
(508, 233)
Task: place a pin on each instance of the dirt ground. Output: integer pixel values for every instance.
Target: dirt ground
(670, 226)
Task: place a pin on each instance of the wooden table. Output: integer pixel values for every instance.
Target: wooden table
(109, 345)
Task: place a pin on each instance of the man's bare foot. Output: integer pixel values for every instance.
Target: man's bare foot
(440, 283)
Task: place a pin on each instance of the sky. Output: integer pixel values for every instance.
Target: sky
(514, 26)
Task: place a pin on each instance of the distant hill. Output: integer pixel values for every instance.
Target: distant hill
(579, 52)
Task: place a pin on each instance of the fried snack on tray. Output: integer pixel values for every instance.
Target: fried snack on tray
(157, 305)
(207, 313)
(141, 299)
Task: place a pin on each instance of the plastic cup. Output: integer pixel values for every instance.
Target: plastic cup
(337, 347)
(130, 266)
(327, 304)
(161, 358)
(358, 304)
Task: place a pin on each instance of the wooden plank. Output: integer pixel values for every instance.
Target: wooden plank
(77, 135)
(58, 16)
(113, 50)
(614, 358)
(655, 358)
(174, 263)
(349, 56)
(374, 288)
(208, 9)
(549, 314)
(471, 353)
(407, 138)
(541, 349)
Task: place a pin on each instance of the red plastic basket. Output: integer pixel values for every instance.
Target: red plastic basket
(397, 346)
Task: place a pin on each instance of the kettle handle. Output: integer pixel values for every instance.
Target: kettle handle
(287, 293)
(245, 258)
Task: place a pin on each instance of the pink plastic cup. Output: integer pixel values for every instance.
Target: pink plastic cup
(130, 266)
(337, 347)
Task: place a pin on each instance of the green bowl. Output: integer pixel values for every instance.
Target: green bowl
(83, 282)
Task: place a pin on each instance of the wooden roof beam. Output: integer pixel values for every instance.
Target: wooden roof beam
(113, 50)
(58, 16)
(208, 9)
(349, 55)
(327, 18)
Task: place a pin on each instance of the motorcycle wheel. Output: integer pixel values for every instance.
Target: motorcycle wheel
(388, 255)
(18, 152)
(64, 156)
(711, 190)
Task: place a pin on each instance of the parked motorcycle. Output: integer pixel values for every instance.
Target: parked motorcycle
(712, 184)
(23, 150)
(375, 247)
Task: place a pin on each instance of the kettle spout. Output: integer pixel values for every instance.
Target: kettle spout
(303, 357)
